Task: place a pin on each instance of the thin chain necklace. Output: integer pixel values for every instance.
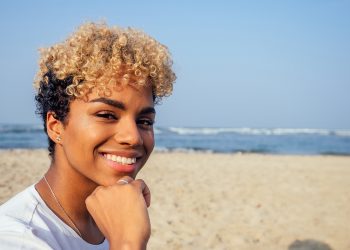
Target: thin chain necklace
(64, 211)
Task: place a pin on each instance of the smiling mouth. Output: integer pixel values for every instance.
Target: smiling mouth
(120, 159)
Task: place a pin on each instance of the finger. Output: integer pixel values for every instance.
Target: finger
(145, 192)
(122, 181)
(125, 180)
(147, 195)
(96, 190)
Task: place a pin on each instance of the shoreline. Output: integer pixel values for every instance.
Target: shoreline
(227, 201)
(190, 151)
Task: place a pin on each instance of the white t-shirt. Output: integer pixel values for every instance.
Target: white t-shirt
(26, 222)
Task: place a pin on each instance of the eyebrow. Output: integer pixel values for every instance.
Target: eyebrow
(110, 102)
(148, 110)
(120, 105)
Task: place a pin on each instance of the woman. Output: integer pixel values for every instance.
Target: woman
(96, 95)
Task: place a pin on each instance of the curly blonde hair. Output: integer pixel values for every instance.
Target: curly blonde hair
(99, 56)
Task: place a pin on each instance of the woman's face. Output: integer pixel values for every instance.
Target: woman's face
(108, 137)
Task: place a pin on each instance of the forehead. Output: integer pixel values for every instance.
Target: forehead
(121, 92)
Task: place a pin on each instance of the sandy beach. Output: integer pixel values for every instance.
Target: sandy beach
(229, 201)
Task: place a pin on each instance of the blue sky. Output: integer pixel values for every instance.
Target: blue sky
(239, 63)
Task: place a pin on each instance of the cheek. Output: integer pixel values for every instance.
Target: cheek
(83, 134)
(148, 140)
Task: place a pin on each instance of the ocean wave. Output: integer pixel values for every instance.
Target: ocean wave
(182, 150)
(21, 128)
(344, 133)
(201, 131)
(206, 131)
(257, 131)
(207, 150)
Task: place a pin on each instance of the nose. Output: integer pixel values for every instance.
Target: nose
(127, 133)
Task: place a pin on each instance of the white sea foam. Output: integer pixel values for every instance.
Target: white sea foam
(182, 150)
(257, 131)
(345, 133)
(291, 131)
(202, 131)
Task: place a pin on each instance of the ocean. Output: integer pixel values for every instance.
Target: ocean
(217, 140)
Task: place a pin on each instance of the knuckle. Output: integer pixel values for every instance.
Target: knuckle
(88, 201)
(98, 189)
(140, 182)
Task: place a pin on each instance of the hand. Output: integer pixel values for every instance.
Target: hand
(120, 212)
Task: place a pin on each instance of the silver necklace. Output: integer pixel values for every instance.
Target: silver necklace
(64, 211)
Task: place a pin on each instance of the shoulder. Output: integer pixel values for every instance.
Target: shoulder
(19, 209)
(16, 215)
(27, 223)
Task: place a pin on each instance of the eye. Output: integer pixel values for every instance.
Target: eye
(107, 115)
(145, 123)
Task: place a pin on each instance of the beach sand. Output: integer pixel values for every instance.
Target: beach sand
(229, 201)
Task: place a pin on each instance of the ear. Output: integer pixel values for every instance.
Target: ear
(54, 127)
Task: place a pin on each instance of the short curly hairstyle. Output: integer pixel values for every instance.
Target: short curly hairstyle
(97, 56)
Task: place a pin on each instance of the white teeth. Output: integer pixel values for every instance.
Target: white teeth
(120, 159)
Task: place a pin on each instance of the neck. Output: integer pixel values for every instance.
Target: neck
(71, 190)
